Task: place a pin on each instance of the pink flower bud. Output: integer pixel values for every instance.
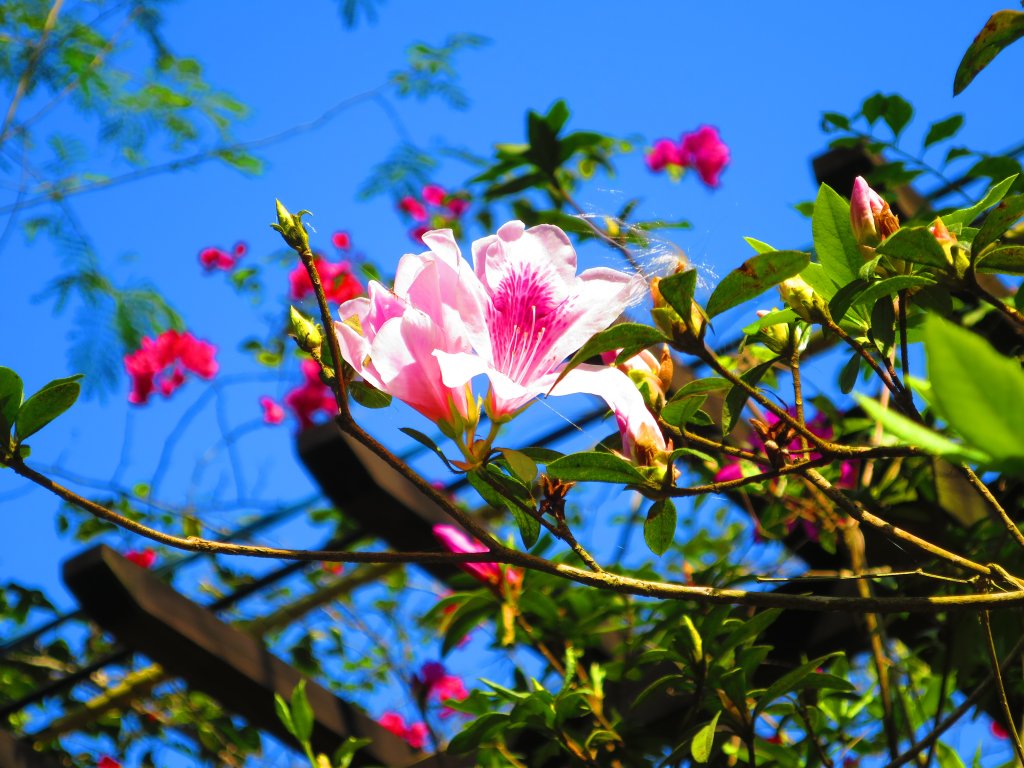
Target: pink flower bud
(870, 216)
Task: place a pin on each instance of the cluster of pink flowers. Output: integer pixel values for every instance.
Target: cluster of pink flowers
(339, 283)
(311, 397)
(433, 683)
(217, 258)
(702, 150)
(414, 734)
(160, 364)
(515, 317)
(435, 209)
(144, 559)
(455, 540)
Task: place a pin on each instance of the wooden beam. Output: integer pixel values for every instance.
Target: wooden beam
(15, 753)
(235, 669)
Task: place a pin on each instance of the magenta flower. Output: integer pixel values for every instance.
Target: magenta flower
(339, 283)
(312, 397)
(144, 559)
(433, 194)
(433, 683)
(392, 337)
(160, 364)
(665, 152)
(273, 413)
(865, 205)
(455, 540)
(415, 734)
(705, 151)
(216, 258)
(413, 207)
(528, 311)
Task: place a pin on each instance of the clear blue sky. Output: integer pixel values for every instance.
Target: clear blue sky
(762, 73)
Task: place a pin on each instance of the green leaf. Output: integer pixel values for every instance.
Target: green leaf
(629, 337)
(1000, 219)
(911, 433)
(1008, 260)
(660, 526)
(595, 466)
(679, 412)
(898, 113)
(302, 713)
(790, 681)
(737, 397)
(347, 751)
(504, 492)
(11, 394)
(1003, 28)
(700, 386)
(979, 391)
(755, 276)
(889, 286)
(965, 216)
(425, 441)
(779, 316)
(522, 466)
(759, 246)
(678, 291)
(848, 374)
(704, 740)
(916, 244)
(46, 405)
(833, 237)
(943, 129)
(541, 455)
(284, 713)
(367, 396)
(479, 730)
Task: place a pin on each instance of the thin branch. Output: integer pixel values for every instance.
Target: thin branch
(30, 68)
(997, 676)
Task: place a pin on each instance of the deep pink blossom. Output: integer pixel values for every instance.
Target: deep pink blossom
(705, 151)
(108, 762)
(339, 283)
(312, 397)
(144, 559)
(160, 364)
(433, 683)
(341, 240)
(273, 413)
(665, 152)
(433, 194)
(413, 207)
(415, 734)
(457, 206)
(865, 206)
(455, 540)
(217, 258)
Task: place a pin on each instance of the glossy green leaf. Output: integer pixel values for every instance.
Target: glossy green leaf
(284, 713)
(1002, 28)
(46, 405)
(478, 731)
(426, 442)
(629, 337)
(755, 276)
(910, 432)
(11, 394)
(704, 740)
(522, 466)
(678, 290)
(700, 386)
(915, 244)
(999, 219)
(595, 466)
(834, 243)
(965, 216)
(660, 526)
(890, 286)
(790, 681)
(1008, 260)
(504, 492)
(737, 397)
(367, 396)
(943, 129)
(302, 713)
(978, 390)
(783, 316)
(679, 412)
(759, 246)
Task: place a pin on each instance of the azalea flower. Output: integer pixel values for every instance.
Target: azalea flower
(342, 240)
(664, 153)
(216, 258)
(528, 311)
(436, 209)
(392, 337)
(160, 364)
(433, 683)
(415, 734)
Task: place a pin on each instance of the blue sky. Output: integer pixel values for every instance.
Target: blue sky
(762, 73)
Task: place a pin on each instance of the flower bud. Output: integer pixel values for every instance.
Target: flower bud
(687, 332)
(644, 369)
(291, 228)
(778, 337)
(802, 299)
(870, 216)
(956, 256)
(306, 332)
